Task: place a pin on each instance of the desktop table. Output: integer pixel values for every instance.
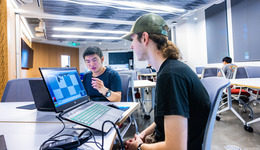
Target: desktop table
(144, 84)
(146, 75)
(248, 82)
(28, 129)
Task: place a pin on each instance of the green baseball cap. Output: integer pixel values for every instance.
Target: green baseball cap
(150, 23)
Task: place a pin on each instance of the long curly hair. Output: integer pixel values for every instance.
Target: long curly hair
(168, 49)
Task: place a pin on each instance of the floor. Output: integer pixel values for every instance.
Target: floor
(228, 134)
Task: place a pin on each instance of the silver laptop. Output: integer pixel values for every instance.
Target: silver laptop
(70, 99)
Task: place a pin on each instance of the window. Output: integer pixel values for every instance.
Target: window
(246, 29)
(216, 28)
(65, 61)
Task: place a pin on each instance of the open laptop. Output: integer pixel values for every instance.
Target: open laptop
(70, 99)
(40, 94)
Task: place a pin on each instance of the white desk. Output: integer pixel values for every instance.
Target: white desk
(144, 84)
(28, 129)
(249, 82)
(146, 75)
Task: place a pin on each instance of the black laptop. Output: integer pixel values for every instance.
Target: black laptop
(69, 97)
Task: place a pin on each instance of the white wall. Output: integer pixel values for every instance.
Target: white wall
(191, 40)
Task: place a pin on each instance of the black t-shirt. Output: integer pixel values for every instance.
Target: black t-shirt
(111, 80)
(180, 92)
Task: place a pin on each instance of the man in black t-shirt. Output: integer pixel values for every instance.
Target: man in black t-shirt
(182, 104)
(101, 83)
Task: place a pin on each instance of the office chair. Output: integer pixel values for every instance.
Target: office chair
(253, 71)
(133, 76)
(199, 70)
(212, 72)
(125, 80)
(18, 90)
(240, 73)
(214, 87)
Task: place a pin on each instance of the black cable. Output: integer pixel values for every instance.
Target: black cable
(93, 135)
(119, 136)
(51, 138)
(99, 146)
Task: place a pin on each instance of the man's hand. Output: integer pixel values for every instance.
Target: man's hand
(99, 85)
(133, 143)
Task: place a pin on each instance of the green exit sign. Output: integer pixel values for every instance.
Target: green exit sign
(73, 43)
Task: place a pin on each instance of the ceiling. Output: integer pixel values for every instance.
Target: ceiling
(102, 15)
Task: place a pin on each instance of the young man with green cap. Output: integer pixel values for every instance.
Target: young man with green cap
(182, 104)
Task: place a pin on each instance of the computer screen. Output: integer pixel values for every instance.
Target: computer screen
(64, 86)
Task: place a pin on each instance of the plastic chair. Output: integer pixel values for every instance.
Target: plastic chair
(18, 90)
(125, 80)
(214, 87)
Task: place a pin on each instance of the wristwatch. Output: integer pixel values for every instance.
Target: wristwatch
(139, 146)
(108, 93)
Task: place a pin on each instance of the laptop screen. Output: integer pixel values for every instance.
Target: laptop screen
(64, 86)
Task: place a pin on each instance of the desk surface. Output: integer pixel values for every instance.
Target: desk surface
(28, 129)
(14, 115)
(148, 74)
(143, 83)
(249, 82)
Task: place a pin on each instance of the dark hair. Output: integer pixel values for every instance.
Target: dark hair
(168, 49)
(93, 50)
(227, 59)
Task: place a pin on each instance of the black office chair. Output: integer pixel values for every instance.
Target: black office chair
(18, 90)
(214, 87)
(125, 97)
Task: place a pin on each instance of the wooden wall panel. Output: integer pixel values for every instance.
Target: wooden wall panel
(3, 47)
(46, 55)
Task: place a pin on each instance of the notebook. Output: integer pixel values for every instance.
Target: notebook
(70, 99)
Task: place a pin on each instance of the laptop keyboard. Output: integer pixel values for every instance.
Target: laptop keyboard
(90, 115)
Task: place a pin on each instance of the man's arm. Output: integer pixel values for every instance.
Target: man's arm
(115, 97)
(147, 131)
(99, 85)
(176, 132)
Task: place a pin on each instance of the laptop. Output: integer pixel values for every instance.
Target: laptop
(40, 95)
(70, 99)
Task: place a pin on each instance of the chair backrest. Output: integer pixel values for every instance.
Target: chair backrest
(125, 80)
(253, 71)
(240, 73)
(18, 90)
(214, 87)
(145, 71)
(212, 72)
(199, 70)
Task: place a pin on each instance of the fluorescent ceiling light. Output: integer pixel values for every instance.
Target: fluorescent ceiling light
(66, 29)
(129, 5)
(85, 37)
